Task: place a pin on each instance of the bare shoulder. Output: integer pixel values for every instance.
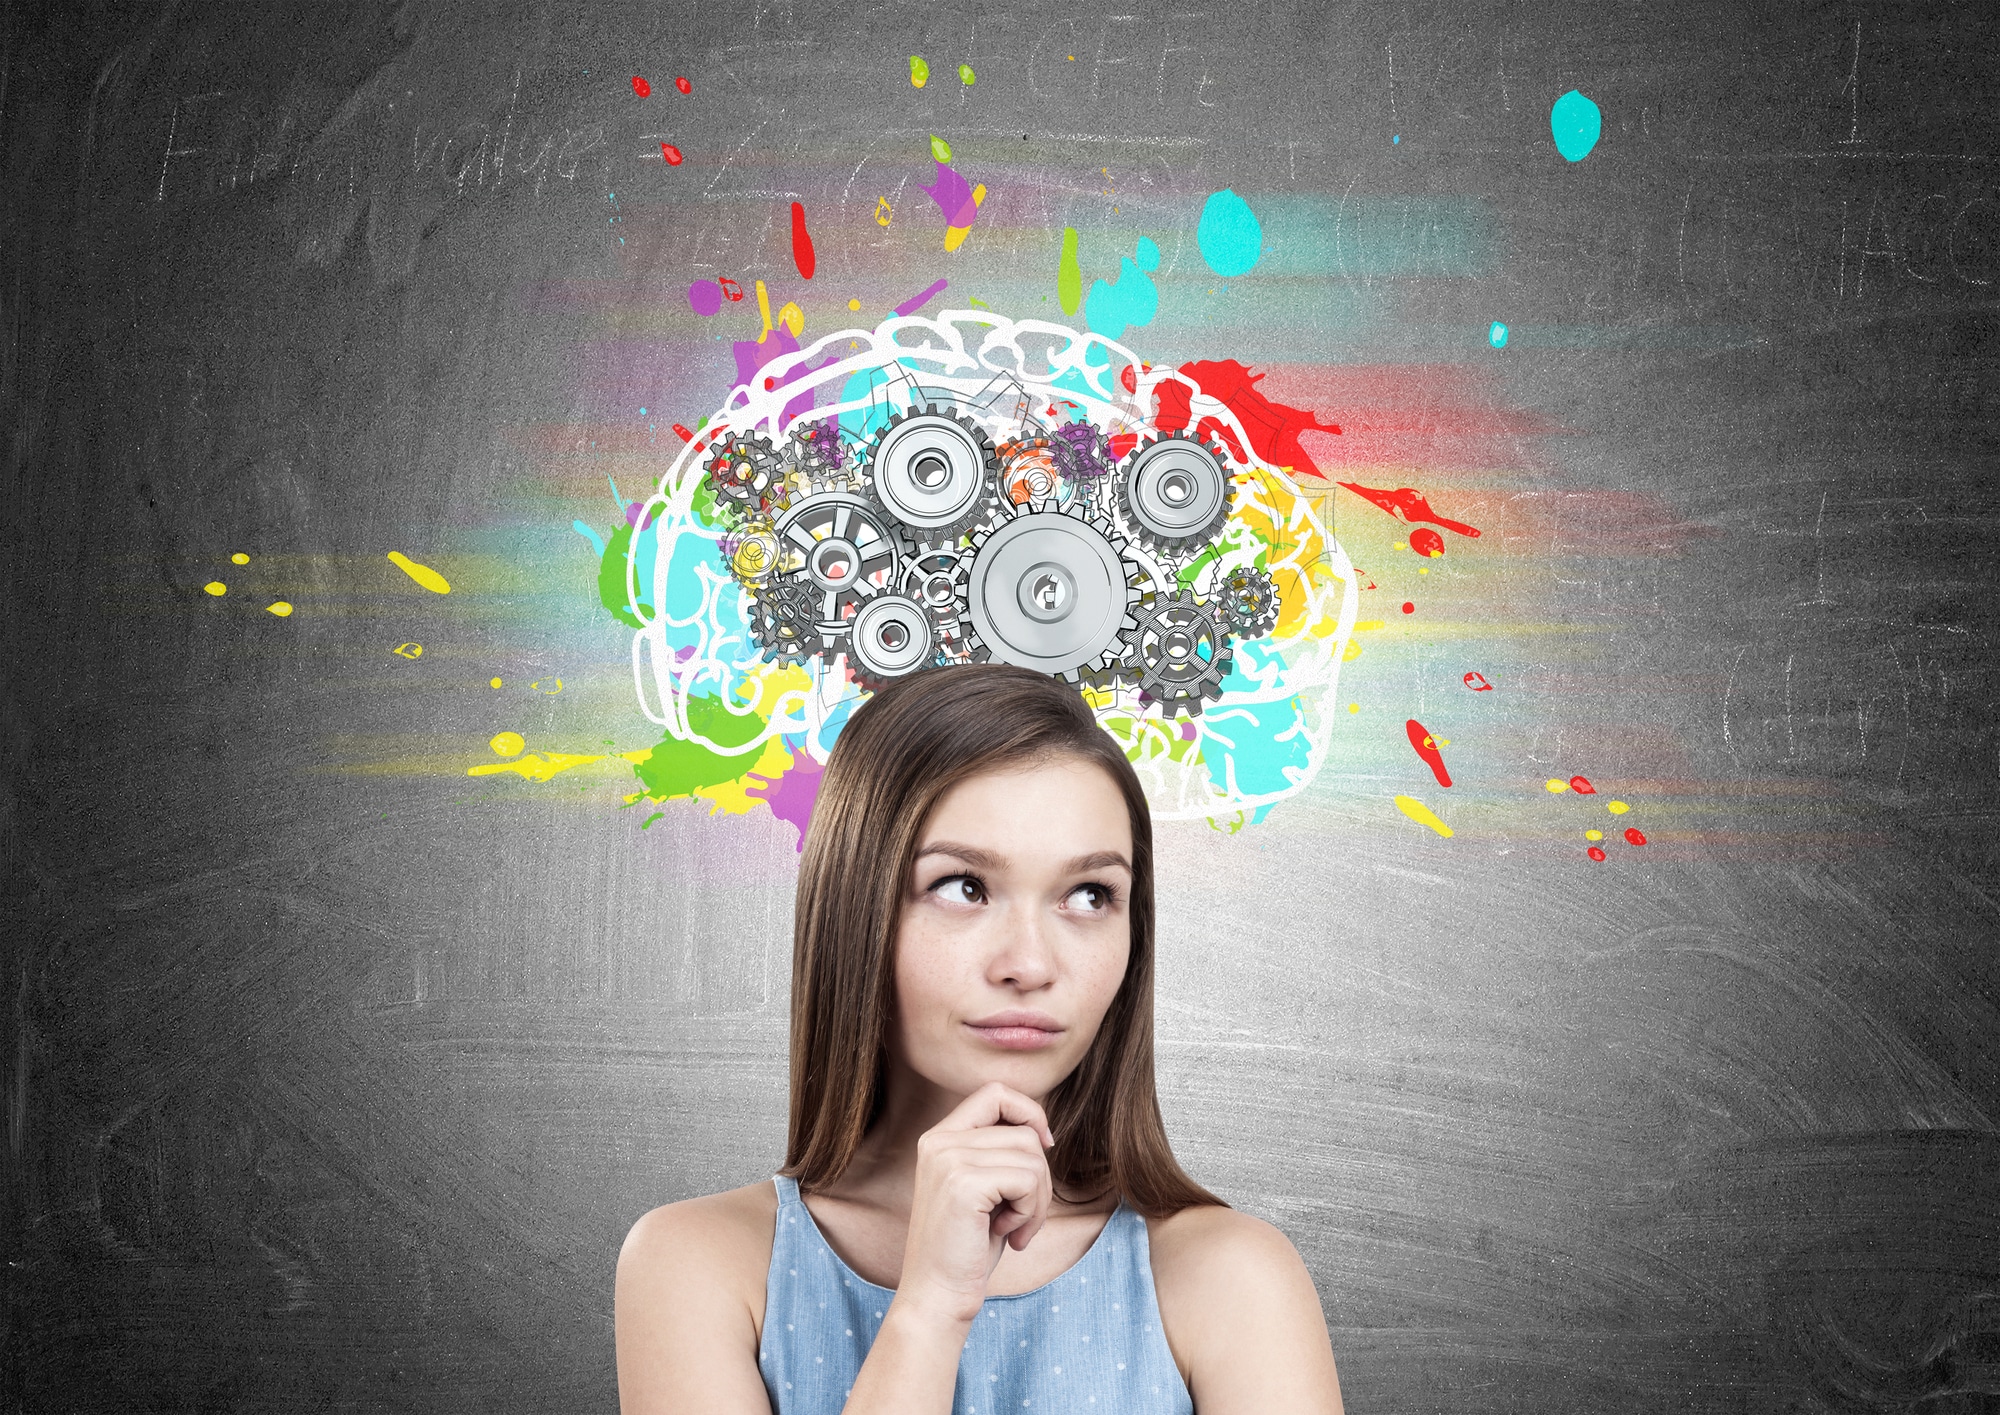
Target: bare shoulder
(679, 1347)
(1242, 1314)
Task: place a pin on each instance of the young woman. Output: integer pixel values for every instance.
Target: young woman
(979, 1212)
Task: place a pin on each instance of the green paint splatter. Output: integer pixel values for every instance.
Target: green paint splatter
(920, 71)
(677, 768)
(965, 75)
(611, 577)
(940, 149)
(1069, 275)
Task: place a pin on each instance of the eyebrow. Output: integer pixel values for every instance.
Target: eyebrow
(987, 860)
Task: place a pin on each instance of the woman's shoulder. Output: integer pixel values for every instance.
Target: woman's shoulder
(723, 1237)
(1210, 1241)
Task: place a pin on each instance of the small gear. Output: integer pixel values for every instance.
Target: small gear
(745, 472)
(837, 548)
(1181, 651)
(751, 550)
(1030, 470)
(890, 636)
(1083, 454)
(933, 574)
(1175, 492)
(1249, 602)
(934, 472)
(785, 622)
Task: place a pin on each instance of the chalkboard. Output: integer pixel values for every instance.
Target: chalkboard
(362, 989)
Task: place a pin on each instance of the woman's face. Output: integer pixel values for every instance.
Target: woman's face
(1017, 904)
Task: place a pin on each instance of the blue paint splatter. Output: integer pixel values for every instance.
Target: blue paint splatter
(1396, 139)
(1228, 234)
(1496, 335)
(1133, 299)
(1575, 122)
(596, 540)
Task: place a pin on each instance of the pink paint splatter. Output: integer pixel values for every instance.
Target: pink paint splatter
(792, 795)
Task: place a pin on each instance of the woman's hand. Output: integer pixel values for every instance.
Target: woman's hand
(982, 1181)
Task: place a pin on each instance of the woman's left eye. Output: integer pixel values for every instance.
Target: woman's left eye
(1097, 897)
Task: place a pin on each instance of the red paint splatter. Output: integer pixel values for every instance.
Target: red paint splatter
(1581, 785)
(1594, 853)
(731, 291)
(1129, 376)
(685, 435)
(1426, 747)
(1477, 682)
(1122, 444)
(1634, 836)
(1426, 542)
(683, 85)
(1407, 504)
(673, 156)
(1273, 428)
(769, 384)
(641, 87)
(1409, 608)
(802, 243)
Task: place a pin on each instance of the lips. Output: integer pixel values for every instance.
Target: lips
(1019, 1017)
(1017, 1030)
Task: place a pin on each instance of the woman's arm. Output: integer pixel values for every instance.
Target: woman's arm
(687, 1340)
(1236, 1292)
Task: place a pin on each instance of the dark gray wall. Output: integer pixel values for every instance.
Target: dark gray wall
(334, 1079)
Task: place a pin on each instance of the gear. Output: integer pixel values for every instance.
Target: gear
(745, 472)
(1175, 492)
(890, 636)
(934, 575)
(1181, 651)
(785, 622)
(751, 550)
(1051, 590)
(1083, 454)
(1249, 602)
(836, 547)
(1031, 470)
(934, 472)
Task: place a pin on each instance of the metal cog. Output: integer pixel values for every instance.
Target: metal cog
(751, 550)
(890, 637)
(784, 622)
(1175, 492)
(1050, 589)
(746, 473)
(933, 574)
(1167, 652)
(838, 548)
(1249, 602)
(1083, 454)
(935, 473)
(1031, 470)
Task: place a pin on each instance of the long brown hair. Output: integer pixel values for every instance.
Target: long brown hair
(895, 759)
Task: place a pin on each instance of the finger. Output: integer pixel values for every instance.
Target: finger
(996, 1103)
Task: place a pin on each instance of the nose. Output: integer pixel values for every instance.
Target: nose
(1023, 952)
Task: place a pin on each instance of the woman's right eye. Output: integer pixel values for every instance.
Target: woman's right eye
(961, 889)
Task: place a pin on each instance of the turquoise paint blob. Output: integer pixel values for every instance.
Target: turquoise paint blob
(1133, 299)
(1575, 122)
(1228, 234)
(1496, 335)
(1148, 254)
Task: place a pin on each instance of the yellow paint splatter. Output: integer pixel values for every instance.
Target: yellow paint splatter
(1420, 813)
(240, 558)
(854, 304)
(1352, 652)
(1593, 835)
(884, 213)
(1556, 784)
(733, 798)
(216, 587)
(409, 650)
(422, 574)
(534, 766)
(279, 608)
(793, 318)
(508, 744)
(920, 71)
(1617, 808)
(1354, 707)
(493, 682)
(1366, 624)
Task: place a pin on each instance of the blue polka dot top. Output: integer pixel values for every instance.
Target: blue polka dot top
(1090, 1340)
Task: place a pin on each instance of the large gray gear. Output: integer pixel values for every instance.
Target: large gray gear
(1051, 590)
(1248, 601)
(1167, 652)
(935, 473)
(837, 547)
(1174, 492)
(890, 637)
